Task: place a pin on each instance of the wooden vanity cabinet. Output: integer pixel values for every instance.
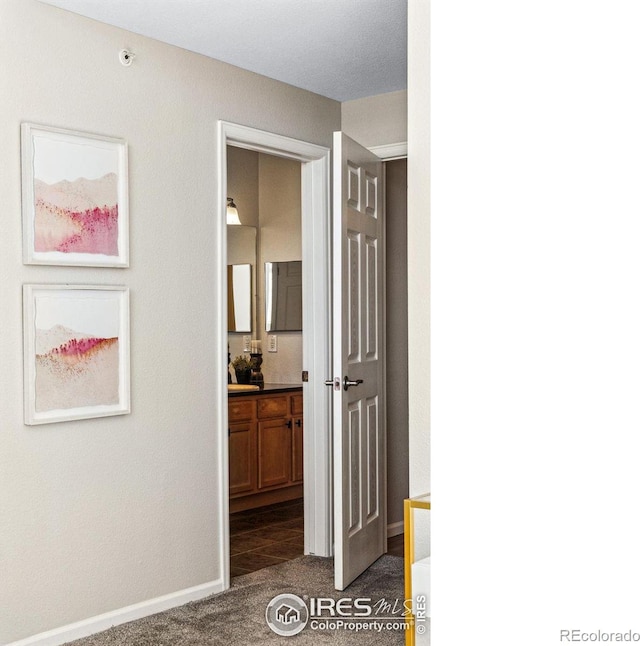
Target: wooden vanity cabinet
(243, 474)
(274, 446)
(242, 468)
(296, 438)
(265, 448)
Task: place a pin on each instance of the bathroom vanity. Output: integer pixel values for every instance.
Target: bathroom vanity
(265, 446)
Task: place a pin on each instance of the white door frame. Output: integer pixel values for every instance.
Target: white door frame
(316, 351)
(389, 152)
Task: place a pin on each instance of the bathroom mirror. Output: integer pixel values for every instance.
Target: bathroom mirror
(239, 298)
(241, 259)
(283, 296)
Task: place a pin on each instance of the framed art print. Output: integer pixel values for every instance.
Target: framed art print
(76, 352)
(74, 198)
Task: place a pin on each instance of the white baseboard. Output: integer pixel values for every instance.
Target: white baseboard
(97, 624)
(395, 528)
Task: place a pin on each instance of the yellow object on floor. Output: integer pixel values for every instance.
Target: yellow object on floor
(410, 505)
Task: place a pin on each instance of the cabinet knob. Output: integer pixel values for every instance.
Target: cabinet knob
(298, 422)
(288, 423)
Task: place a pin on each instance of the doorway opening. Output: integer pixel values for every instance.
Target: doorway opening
(316, 280)
(314, 405)
(264, 320)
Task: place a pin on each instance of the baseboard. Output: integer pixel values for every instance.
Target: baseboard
(395, 528)
(97, 624)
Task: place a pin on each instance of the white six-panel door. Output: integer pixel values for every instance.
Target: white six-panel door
(358, 357)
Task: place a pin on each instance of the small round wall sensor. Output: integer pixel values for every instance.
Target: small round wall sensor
(126, 57)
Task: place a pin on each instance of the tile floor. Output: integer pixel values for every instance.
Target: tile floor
(266, 536)
(270, 535)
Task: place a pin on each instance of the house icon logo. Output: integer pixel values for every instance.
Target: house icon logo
(287, 614)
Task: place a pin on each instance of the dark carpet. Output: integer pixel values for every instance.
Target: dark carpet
(237, 616)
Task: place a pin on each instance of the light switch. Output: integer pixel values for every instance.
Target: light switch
(273, 343)
(246, 342)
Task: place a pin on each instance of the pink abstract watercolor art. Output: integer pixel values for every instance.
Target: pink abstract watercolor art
(79, 216)
(74, 370)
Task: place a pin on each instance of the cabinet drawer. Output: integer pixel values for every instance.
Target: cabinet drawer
(296, 404)
(241, 410)
(272, 407)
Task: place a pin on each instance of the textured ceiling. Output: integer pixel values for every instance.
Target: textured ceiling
(342, 49)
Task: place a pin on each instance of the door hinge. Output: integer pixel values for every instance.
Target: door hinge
(305, 376)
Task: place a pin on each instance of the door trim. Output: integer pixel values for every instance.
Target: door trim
(389, 152)
(316, 350)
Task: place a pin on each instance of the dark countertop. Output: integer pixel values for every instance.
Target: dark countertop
(268, 389)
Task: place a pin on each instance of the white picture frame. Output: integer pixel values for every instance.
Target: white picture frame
(75, 205)
(76, 352)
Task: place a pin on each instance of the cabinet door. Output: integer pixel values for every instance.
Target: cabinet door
(274, 452)
(296, 450)
(296, 404)
(242, 458)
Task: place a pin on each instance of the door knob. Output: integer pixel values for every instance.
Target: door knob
(350, 382)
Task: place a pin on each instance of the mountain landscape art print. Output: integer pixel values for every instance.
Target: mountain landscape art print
(74, 198)
(77, 352)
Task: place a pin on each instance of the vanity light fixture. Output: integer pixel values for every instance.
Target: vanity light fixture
(232, 212)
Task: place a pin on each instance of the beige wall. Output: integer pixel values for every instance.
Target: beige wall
(242, 186)
(280, 240)
(376, 120)
(271, 189)
(242, 183)
(418, 258)
(99, 514)
(397, 347)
